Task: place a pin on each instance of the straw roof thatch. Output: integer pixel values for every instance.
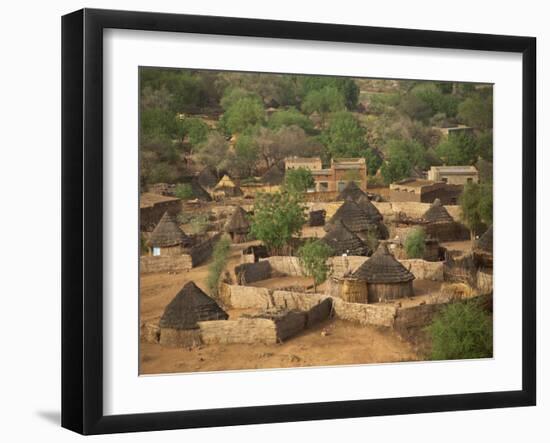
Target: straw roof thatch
(225, 182)
(485, 242)
(190, 306)
(371, 211)
(342, 241)
(239, 223)
(437, 213)
(275, 175)
(351, 191)
(352, 216)
(383, 267)
(168, 233)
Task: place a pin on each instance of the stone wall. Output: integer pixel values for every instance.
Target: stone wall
(252, 272)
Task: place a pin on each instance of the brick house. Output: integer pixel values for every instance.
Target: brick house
(334, 178)
(454, 175)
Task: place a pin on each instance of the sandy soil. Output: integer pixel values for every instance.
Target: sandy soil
(343, 343)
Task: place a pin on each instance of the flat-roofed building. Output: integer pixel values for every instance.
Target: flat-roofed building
(425, 191)
(454, 175)
(334, 178)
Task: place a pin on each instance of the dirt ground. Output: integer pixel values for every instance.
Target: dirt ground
(341, 343)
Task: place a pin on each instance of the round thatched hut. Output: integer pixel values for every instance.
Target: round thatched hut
(437, 213)
(351, 191)
(439, 224)
(227, 188)
(385, 278)
(238, 226)
(352, 216)
(167, 238)
(343, 241)
(374, 216)
(179, 322)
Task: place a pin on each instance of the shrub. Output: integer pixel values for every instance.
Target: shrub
(299, 180)
(184, 191)
(461, 330)
(415, 243)
(217, 265)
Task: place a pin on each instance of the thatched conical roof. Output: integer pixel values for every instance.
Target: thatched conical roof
(190, 306)
(437, 213)
(168, 233)
(371, 211)
(351, 191)
(485, 242)
(352, 216)
(225, 182)
(342, 241)
(275, 175)
(239, 222)
(383, 267)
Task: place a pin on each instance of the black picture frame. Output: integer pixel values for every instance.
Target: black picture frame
(82, 216)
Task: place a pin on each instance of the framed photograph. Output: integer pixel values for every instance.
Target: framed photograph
(270, 221)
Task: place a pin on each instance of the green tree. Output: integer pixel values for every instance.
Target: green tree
(313, 256)
(246, 155)
(460, 331)
(324, 101)
(277, 218)
(345, 137)
(242, 114)
(195, 129)
(476, 204)
(415, 243)
(397, 167)
(158, 124)
(477, 111)
(345, 86)
(184, 191)
(459, 149)
(298, 180)
(289, 117)
(373, 161)
(437, 101)
(234, 94)
(220, 254)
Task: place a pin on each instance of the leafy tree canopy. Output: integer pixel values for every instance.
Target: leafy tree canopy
(461, 149)
(242, 114)
(277, 218)
(290, 117)
(477, 111)
(345, 137)
(476, 203)
(415, 243)
(323, 101)
(346, 86)
(298, 180)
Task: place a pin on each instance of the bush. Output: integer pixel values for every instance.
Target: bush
(461, 330)
(216, 267)
(415, 243)
(184, 191)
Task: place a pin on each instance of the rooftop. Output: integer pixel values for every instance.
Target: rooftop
(455, 169)
(148, 199)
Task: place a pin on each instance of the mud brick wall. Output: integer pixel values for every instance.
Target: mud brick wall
(285, 265)
(242, 330)
(296, 300)
(252, 272)
(425, 270)
(161, 263)
(244, 297)
(342, 265)
(375, 314)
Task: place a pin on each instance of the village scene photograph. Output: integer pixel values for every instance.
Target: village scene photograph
(291, 221)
